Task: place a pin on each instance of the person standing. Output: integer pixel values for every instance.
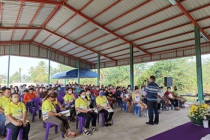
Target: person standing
(152, 98)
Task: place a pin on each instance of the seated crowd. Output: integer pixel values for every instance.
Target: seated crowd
(84, 101)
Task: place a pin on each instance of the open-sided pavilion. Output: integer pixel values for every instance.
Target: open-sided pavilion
(106, 33)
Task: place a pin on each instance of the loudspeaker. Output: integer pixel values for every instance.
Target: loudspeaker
(168, 81)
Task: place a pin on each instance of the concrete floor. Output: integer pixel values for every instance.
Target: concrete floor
(126, 126)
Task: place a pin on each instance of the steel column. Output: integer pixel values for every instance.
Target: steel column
(78, 82)
(8, 66)
(98, 70)
(131, 68)
(198, 64)
(49, 56)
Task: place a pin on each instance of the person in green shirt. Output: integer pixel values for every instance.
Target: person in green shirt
(178, 97)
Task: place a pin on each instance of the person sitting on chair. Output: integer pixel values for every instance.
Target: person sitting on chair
(178, 97)
(125, 95)
(162, 99)
(104, 106)
(28, 98)
(15, 113)
(110, 97)
(143, 94)
(117, 95)
(69, 99)
(169, 95)
(83, 110)
(89, 98)
(136, 97)
(4, 100)
(50, 116)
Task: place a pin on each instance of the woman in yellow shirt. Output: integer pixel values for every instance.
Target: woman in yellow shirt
(89, 99)
(69, 99)
(4, 100)
(103, 105)
(83, 110)
(50, 115)
(15, 113)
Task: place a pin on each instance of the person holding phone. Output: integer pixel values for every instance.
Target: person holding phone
(50, 115)
(83, 110)
(15, 113)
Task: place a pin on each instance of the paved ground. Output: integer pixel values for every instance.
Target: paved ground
(126, 126)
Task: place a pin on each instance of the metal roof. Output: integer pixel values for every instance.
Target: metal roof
(81, 29)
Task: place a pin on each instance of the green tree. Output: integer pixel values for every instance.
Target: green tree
(16, 77)
(39, 73)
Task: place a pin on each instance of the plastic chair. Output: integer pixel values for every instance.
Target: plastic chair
(82, 123)
(61, 100)
(21, 97)
(137, 109)
(103, 119)
(163, 105)
(36, 108)
(48, 125)
(9, 134)
(124, 104)
(119, 102)
(61, 93)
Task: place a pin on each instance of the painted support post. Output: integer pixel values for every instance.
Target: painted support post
(198, 64)
(78, 82)
(8, 66)
(98, 70)
(49, 56)
(131, 68)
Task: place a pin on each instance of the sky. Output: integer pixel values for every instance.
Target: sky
(25, 63)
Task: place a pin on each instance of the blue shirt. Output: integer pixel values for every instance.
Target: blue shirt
(152, 91)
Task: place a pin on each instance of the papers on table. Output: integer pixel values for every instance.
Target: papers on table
(65, 113)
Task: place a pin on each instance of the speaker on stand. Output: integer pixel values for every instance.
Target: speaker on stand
(168, 81)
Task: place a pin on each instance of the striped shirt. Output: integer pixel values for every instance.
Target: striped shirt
(152, 91)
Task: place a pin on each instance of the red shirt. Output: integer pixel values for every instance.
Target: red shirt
(167, 93)
(28, 97)
(95, 92)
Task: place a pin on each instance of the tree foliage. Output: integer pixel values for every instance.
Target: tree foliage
(182, 70)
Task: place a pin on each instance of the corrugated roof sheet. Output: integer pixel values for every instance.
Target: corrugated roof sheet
(156, 26)
(27, 13)
(43, 14)
(61, 16)
(10, 13)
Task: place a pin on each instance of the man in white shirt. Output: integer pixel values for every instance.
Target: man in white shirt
(162, 100)
(143, 94)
